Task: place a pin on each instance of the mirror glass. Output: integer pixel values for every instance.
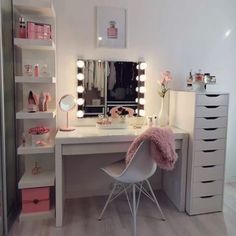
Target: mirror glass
(109, 84)
(67, 103)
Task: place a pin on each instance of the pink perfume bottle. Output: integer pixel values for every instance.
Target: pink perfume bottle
(36, 70)
(22, 29)
(112, 31)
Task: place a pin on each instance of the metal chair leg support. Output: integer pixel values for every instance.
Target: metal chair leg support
(154, 197)
(134, 213)
(107, 202)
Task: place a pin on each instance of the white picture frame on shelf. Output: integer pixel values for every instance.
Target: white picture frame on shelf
(111, 27)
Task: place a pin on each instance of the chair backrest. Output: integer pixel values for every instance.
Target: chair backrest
(141, 167)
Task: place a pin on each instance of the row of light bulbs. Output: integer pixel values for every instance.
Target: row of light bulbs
(80, 89)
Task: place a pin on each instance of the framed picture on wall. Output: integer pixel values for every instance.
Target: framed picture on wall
(111, 27)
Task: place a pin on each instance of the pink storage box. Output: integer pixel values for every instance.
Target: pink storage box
(38, 30)
(35, 200)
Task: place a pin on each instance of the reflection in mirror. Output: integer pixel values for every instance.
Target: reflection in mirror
(67, 103)
(107, 84)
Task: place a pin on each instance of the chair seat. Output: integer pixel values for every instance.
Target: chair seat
(115, 169)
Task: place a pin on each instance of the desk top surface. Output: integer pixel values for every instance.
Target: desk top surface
(93, 134)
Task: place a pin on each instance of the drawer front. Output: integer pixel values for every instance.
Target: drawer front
(208, 188)
(209, 157)
(35, 206)
(209, 144)
(211, 111)
(210, 133)
(35, 193)
(212, 99)
(213, 122)
(206, 205)
(205, 173)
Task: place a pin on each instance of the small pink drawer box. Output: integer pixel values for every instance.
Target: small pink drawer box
(35, 200)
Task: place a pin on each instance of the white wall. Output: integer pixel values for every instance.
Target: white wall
(175, 35)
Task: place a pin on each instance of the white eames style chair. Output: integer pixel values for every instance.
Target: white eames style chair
(133, 176)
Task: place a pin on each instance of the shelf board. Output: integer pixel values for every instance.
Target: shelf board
(37, 215)
(34, 8)
(33, 80)
(50, 114)
(34, 44)
(27, 150)
(44, 179)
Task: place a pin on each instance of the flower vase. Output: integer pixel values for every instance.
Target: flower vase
(163, 119)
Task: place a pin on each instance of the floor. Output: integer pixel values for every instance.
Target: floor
(81, 220)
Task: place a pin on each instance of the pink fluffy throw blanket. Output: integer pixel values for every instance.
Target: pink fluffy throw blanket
(162, 146)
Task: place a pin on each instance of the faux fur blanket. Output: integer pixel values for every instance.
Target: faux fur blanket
(162, 147)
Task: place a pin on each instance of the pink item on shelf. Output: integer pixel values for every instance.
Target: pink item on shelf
(36, 70)
(38, 30)
(35, 200)
(162, 147)
(31, 30)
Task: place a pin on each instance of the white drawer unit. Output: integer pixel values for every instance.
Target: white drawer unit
(205, 117)
(210, 133)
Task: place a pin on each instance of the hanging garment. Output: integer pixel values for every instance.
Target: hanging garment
(91, 75)
(99, 78)
(112, 76)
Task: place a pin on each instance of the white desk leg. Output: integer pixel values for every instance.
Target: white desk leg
(174, 182)
(59, 185)
(184, 157)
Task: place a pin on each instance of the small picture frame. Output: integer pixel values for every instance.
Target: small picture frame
(111, 27)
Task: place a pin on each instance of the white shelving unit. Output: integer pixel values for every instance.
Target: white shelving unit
(37, 216)
(27, 150)
(35, 51)
(44, 179)
(33, 80)
(36, 8)
(34, 44)
(22, 115)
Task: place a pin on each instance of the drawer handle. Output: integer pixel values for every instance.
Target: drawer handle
(209, 150)
(211, 107)
(211, 118)
(212, 95)
(208, 181)
(35, 201)
(209, 140)
(207, 196)
(210, 166)
(210, 129)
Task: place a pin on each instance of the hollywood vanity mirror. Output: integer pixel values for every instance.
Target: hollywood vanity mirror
(103, 85)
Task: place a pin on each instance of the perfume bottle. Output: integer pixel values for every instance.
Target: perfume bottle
(112, 31)
(22, 28)
(36, 70)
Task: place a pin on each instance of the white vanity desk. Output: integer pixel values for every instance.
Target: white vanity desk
(91, 140)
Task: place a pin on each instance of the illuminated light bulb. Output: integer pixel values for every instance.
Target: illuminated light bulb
(80, 64)
(137, 78)
(80, 89)
(99, 38)
(142, 101)
(142, 78)
(80, 76)
(80, 101)
(142, 90)
(141, 112)
(136, 100)
(137, 89)
(143, 66)
(80, 114)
